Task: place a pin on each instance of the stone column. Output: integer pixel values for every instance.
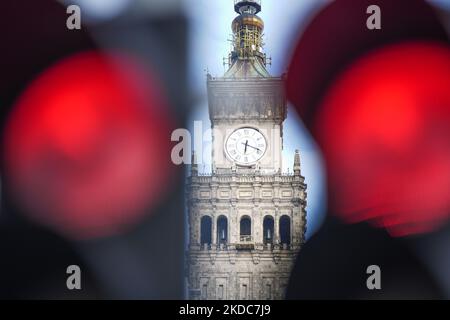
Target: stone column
(296, 226)
(195, 227)
(233, 225)
(214, 230)
(276, 227)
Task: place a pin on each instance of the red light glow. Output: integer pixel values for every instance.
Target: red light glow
(384, 127)
(87, 146)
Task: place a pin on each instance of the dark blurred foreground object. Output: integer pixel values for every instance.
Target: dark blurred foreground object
(338, 35)
(140, 256)
(34, 262)
(385, 138)
(333, 265)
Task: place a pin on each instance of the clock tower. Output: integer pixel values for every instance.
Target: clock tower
(247, 219)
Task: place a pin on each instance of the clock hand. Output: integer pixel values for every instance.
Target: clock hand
(252, 147)
(246, 145)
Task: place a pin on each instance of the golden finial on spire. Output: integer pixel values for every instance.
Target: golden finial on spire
(248, 32)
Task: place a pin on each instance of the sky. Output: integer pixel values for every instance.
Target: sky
(209, 35)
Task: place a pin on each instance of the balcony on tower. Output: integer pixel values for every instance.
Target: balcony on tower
(245, 234)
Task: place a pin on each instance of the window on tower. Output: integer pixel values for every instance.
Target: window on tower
(206, 230)
(285, 230)
(204, 292)
(244, 291)
(246, 229)
(222, 230)
(220, 292)
(268, 291)
(268, 230)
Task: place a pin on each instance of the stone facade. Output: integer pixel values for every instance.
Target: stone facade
(244, 268)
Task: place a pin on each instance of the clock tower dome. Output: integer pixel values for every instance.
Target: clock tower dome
(247, 219)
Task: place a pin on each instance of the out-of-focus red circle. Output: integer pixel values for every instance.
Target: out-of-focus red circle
(384, 127)
(87, 147)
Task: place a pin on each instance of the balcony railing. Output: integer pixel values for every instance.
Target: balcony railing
(246, 238)
(245, 244)
(227, 178)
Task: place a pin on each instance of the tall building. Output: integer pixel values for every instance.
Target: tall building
(247, 219)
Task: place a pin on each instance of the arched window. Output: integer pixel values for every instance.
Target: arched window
(285, 230)
(222, 230)
(205, 230)
(268, 229)
(246, 229)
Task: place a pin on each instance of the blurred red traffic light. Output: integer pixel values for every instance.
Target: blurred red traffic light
(87, 146)
(384, 127)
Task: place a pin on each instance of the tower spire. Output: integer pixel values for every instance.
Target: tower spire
(297, 163)
(194, 165)
(248, 32)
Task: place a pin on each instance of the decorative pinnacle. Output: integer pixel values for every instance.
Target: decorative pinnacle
(194, 167)
(297, 163)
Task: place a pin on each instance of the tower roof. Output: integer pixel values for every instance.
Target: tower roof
(249, 68)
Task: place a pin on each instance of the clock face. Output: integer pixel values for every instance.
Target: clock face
(245, 146)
